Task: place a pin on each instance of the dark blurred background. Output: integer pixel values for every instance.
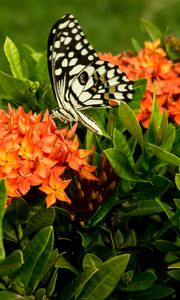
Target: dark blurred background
(108, 24)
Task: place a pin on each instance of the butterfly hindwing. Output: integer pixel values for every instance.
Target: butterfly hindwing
(79, 79)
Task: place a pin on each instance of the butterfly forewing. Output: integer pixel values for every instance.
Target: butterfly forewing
(79, 79)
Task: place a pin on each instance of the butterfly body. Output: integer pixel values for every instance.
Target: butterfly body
(79, 79)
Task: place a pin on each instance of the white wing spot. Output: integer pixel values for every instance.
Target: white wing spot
(90, 57)
(54, 30)
(58, 71)
(77, 37)
(79, 46)
(73, 61)
(110, 73)
(63, 25)
(74, 30)
(77, 69)
(57, 44)
(67, 40)
(84, 51)
(64, 63)
(71, 54)
(72, 24)
(124, 78)
(85, 41)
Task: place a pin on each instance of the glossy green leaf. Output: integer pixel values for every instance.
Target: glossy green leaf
(5, 295)
(166, 133)
(174, 274)
(167, 209)
(13, 88)
(151, 29)
(41, 69)
(153, 189)
(177, 180)
(166, 246)
(13, 262)
(137, 47)
(105, 279)
(3, 198)
(103, 210)
(91, 261)
(145, 208)
(39, 247)
(9, 231)
(164, 156)
(155, 121)
(139, 87)
(129, 121)
(121, 144)
(175, 220)
(121, 165)
(74, 288)
(52, 283)
(63, 263)
(141, 282)
(175, 265)
(18, 211)
(154, 292)
(14, 59)
(41, 219)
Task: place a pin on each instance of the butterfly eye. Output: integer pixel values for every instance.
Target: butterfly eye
(83, 78)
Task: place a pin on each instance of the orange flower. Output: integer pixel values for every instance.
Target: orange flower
(151, 62)
(54, 188)
(34, 152)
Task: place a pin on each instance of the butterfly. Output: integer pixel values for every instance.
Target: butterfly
(79, 79)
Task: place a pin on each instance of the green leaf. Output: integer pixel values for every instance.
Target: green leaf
(175, 274)
(139, 87)
(63, 263)
(13, 88)
(145, 208)
(121, 165)
(18, 211)
(52, 284)
(154, 292)
(137, 47)
(166, 208)
(164, 156)
(13, 262)
(155, 120)
(141, 282)
(121, 144)
(151, 29)
(38, 249)
(91, 261)
(103, 210)
(41, 69)
(166, 134)
(153, 189)
(11, 296)
(13, 57)
(3, 198)
(129, 121)
(176, 265)
(166, 246)
(74, 288)
(41, 219)
(177, 180)
(105, 279)
(175, 220)
(9, 231)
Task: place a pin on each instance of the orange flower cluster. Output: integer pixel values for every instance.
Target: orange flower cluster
(33, 152)
(152, 63)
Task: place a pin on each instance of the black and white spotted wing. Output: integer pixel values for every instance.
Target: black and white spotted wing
(79, 79)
